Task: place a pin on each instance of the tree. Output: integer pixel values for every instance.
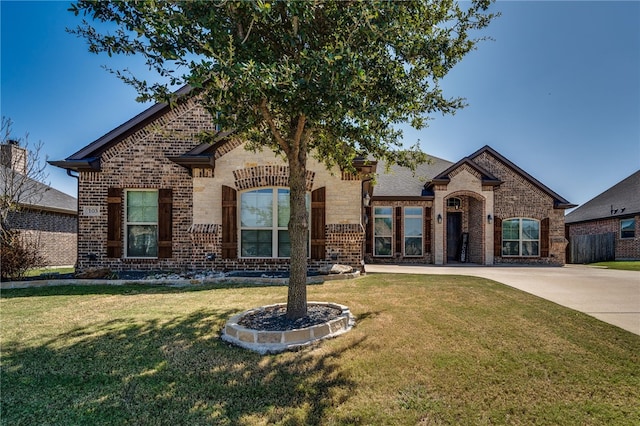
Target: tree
(21, 177)
(328, 78)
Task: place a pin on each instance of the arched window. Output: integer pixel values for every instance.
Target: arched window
(520, 237)
(264, 220)
(454, 202)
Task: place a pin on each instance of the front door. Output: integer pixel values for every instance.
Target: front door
(454, 232)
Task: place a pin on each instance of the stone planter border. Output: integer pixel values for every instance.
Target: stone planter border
(271, 342)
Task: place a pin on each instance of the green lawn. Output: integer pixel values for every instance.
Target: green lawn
(630, 265)
(426, 350)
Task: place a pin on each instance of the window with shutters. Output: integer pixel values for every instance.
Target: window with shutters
(264, 219)
(141, 223)
(520, 237)
(413, 229)
(382, 231)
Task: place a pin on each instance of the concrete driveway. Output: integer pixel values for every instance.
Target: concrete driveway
(611, 296)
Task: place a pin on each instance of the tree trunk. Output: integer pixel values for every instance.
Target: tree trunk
(298, 234)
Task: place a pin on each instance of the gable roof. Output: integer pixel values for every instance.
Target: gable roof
(558, 201)
(44, 197)
(486, 176)
(621, 200)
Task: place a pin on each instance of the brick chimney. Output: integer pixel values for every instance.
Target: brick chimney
(14, 156)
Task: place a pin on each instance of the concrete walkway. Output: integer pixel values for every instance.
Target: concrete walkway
(610, 295)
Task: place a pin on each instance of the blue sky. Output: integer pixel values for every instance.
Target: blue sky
(557, 91)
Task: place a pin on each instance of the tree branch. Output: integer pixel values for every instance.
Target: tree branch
(266, 114)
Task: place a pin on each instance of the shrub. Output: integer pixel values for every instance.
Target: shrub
(17, 255)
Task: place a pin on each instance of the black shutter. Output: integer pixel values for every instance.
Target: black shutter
(544, 237)
(318, 243)
(229, 223)
(497, 237)
(165, 223)
(427, 230)
(114, 222)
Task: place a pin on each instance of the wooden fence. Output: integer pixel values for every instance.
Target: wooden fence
(592, 248)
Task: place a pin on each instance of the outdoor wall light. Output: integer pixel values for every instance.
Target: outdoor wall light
(366, 199)
(489, 219)
(439, 218)
(210, 256)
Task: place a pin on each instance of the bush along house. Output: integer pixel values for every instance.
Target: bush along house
(152, 197)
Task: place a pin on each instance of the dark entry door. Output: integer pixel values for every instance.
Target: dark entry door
(454, 231)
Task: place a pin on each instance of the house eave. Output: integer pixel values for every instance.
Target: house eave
(194, 161)
(85, 165)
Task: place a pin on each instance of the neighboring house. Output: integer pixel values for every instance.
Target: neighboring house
(152, 197)
(607, 227)
(46, 216)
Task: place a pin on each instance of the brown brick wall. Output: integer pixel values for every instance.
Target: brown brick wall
(518, 197)
(140, 162)
(54, 233)
(398, 257)
(626, 248)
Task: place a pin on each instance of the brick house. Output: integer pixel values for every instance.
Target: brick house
(611, 219)
(483, 209)
(152, 197)
(47, 217)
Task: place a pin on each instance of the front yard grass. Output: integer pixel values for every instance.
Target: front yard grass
(425, 350)
(625, 265)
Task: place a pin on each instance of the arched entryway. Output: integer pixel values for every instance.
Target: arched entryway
(464, 231)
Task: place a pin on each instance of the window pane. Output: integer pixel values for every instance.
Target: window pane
(627, 228)
(386, 211)
(283, 208)
(383, 246)
(142, 241)
(413, 246)
(511, 229)
(256, 209)
(530, 229)
(413, 211)
(256, 243)
(510, 248)
(383, 226)
(529, 248)
(284, 244)
(413, 226)
(142, 206)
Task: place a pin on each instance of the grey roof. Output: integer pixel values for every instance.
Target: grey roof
(44, 197)
(402, 182)
(622, 199)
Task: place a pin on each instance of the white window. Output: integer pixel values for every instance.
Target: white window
(382, 231)
(520, 237)
(413, 230)
(264, 220)
(141, 216)
(627, 228)
(454, 202)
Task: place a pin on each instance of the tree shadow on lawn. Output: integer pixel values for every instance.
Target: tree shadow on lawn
(171, 371)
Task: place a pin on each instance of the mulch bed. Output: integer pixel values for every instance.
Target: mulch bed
(274, 318)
